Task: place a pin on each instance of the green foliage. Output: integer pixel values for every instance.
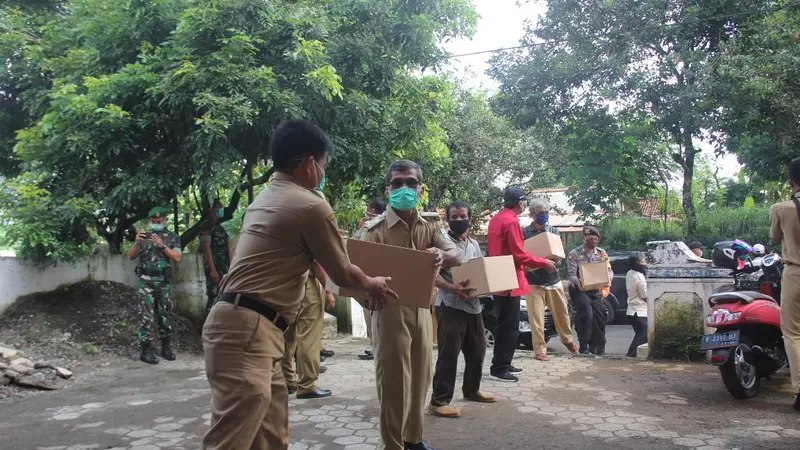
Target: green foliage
(678, 332)
(629, 232)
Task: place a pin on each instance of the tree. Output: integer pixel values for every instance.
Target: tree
(141, 101)
(755, 78)
(646, 55)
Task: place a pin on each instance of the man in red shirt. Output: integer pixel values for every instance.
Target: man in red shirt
(505, 238)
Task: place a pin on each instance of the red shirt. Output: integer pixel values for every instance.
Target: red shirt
(505, 238)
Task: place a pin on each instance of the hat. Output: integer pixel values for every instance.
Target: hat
(513, 195)
(157, 212)
(589, 230)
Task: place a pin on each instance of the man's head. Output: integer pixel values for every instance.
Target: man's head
(638, 262)
(515, 199)
(376, 207)
(458, 217)
(157, 218)
(217, 211)
(794, 175)
(696, 247)
(539, 209)
(300, 148)
(591, 237)
(404, 185)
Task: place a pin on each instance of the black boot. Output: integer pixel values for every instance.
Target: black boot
(796, 402)
(147, 353)
(166, 350)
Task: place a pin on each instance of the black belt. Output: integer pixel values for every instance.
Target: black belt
(249, 303)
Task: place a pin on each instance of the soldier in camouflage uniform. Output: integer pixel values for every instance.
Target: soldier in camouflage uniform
(214, 246)
(155, 251)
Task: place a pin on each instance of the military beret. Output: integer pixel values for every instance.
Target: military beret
(589, 230)
(158, 212)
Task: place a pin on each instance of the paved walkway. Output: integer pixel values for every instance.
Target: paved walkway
(567, 403)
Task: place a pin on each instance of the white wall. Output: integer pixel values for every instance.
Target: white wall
(19, 278)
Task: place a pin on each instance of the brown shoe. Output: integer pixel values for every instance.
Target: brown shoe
(444, 411)
(541, 357)
(480, 397)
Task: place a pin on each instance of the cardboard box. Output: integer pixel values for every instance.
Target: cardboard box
(412, 271)
(488, 275)
(594, 276)
(546, 245)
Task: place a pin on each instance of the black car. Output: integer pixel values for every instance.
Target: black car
(525, 339)
(617, 301)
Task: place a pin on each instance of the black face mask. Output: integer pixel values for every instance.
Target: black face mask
(459, 227)
(641, 268)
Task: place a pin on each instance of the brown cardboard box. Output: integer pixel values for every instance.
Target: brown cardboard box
(488, 275)
(594, 276)
(412, 271)
(545, 245)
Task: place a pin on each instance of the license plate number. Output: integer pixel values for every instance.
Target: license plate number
(720, 340)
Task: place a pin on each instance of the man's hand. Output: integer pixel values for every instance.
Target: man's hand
(380, 293)
(159, 243)
(140, 237)
(461, 290)
(550, 266)
(439, 257)
(215, 275)
(330, 302)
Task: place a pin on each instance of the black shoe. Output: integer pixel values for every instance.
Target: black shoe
(321, 359)
(421, 446)
(366, 357)
(514, 371)
(292, 389)
(147, 353)
(316, 393)
(505, 376)
(584, 350)
(796, 402)
(368, 352)
(323, 369)
(599, 351)
(326, 353)
(166, 349)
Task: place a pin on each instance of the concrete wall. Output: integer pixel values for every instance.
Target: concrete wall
(19, 278)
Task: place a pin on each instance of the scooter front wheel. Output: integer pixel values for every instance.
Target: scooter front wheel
(740, 377)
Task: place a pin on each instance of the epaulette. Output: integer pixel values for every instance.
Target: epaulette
(372, 223)
(431, 217)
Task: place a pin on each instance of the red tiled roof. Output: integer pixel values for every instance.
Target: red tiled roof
(649, 207)
(549, 189)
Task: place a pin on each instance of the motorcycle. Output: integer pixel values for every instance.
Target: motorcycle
(747, 344)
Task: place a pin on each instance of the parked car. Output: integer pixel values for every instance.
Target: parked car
(617, 301)
(525, 338)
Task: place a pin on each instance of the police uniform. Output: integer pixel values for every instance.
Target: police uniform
(215, 235)
(785, 229)
(403, 337)
(590, 322)
(285, 229)
(154, 270)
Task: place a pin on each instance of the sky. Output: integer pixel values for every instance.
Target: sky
(501, 24)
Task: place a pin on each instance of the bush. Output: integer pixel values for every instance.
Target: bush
(630, 232)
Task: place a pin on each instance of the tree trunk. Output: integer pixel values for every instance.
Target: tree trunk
(688, 180)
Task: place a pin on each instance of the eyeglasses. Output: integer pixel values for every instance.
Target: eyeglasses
(397, 183)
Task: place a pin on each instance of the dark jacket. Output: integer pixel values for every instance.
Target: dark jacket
(540, 277)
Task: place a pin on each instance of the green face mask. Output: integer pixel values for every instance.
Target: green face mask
(157, 227)
(322, 183)
(220, 213)
(403, 199)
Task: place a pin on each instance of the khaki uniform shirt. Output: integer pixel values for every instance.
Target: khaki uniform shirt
(785, 229)
(286, 228)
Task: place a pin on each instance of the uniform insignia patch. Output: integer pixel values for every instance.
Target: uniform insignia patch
(332, 218)
(444, 233)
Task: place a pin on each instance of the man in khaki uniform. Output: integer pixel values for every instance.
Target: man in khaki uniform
(785, 229)
(287, 227)
(402, 335)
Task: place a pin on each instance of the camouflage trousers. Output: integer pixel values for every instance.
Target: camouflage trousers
(154, 306)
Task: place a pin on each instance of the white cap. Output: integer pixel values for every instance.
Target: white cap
(759, 248)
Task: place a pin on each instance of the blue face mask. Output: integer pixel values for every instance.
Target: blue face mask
(403, 199)
(542, 218)
(220, 213)
(157, 227)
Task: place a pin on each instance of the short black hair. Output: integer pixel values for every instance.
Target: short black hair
(635, 258)
(794, 170)
(695, 245)
(378, 204)
(403, 165)
(458, 204)
(296, 140)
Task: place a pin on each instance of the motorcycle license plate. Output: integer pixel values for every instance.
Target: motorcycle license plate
(720, 340)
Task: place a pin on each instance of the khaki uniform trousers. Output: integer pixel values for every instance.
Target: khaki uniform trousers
(304, 340)
(368, 320)
(556, 301)
(790, 320)
(249, 399)
(403, 345)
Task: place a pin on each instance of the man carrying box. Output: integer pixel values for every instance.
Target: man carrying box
(590, 322)
(460, 324)
(546, 288)
(505, 238)
(402, 335)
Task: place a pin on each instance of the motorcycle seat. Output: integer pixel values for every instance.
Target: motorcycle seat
(739, 296)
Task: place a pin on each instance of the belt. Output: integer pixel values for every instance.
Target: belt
(254, 305)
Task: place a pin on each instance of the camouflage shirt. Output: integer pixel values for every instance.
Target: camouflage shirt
(216, 235)
(153, 258)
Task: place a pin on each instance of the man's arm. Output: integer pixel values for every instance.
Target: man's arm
(775, 231)
(572, 269)
(641, 287)
(133, 252)
(205, 247)
(450, 254)
(513, 234)
(323, 278)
